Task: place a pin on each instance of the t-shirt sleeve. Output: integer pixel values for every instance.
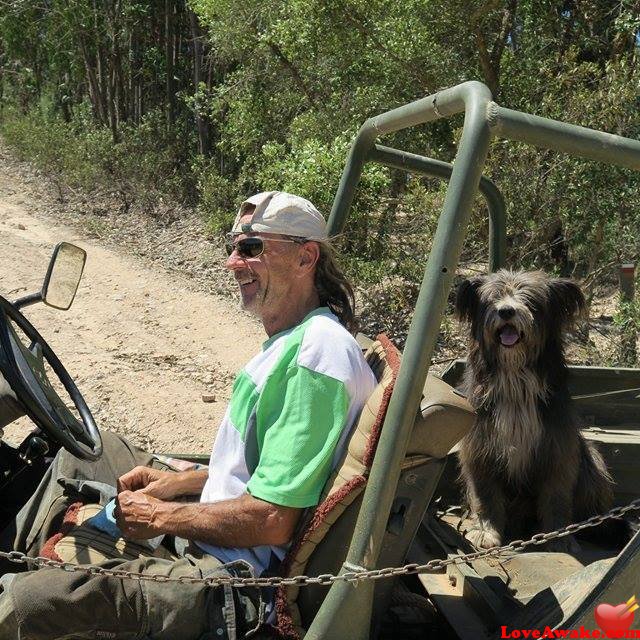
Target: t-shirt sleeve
(300, 417)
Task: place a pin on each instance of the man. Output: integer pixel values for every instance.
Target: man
(291, 410)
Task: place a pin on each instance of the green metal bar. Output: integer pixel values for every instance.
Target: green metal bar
(431, 167)
(444, 103)
(350, 178)
(570, 138)
(614, 585)
(346, 610)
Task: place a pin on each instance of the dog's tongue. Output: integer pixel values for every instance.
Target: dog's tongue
(509, 336)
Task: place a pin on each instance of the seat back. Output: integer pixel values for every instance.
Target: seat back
(322, 545)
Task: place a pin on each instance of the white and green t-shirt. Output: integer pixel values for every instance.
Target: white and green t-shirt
(291, 410)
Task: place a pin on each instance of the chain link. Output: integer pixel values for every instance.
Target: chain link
(327, 578)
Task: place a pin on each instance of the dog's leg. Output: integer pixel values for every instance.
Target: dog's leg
(487, 504)
(554, 507)
(594, 490)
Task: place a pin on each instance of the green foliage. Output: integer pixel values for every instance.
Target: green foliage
(51, 145)
(312, 169)
(140, 169)
(627, 320)
(308, 70)
(267, 94)
(216, 195)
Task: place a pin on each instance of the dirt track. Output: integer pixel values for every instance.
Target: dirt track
(143, 345)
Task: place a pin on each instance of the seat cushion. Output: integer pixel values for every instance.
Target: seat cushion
(80, 543)
(346, 482)
(444, 417)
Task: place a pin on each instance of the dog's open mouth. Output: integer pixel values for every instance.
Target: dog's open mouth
(508, 335)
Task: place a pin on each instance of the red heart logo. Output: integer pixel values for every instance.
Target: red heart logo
(612, 619)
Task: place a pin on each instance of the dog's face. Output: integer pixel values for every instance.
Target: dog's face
(513, 313)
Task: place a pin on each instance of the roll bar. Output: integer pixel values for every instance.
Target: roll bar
(346, 610)
(439, 169)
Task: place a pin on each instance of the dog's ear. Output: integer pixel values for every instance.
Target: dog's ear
(467, 298)
(566, 301)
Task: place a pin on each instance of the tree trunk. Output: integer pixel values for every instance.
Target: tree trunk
(121, 102)
(135, 76)
(111, 106)
(387, 218)
(295, 74)
(204, 146)
(2, 62)
(109, 71)
(101, 70)
(491, 60)
(93, 84)
(170, 96)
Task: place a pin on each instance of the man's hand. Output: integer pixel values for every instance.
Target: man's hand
(134, 514)
(164, 485)
(146, 479)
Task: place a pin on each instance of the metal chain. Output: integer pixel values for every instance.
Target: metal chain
(326, 579)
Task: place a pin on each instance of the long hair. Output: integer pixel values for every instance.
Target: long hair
(334, 289)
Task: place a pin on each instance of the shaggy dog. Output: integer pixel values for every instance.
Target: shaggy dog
(526, 466)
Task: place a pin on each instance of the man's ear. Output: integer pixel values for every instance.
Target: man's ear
(467, 298)
(309, 256)
(566, 301)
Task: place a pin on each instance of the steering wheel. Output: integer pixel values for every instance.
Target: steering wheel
(23, 368)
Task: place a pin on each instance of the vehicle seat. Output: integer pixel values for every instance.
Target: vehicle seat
(321, 547)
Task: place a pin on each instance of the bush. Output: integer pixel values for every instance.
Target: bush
(627, 321)
(49, 143)
(216, 195)
(312, 169)
(143, 168)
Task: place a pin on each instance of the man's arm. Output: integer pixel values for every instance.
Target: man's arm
(242, 522)
(164, 485)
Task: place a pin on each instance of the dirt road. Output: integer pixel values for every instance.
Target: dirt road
(143, 345)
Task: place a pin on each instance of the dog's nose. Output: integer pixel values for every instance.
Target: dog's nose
(506, 312)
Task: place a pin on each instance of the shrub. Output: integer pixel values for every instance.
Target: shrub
(216, 195)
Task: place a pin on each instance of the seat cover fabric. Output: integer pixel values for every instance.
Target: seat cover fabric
(444, 417)
(346, 482)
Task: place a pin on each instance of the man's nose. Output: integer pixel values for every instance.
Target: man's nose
(235, 261)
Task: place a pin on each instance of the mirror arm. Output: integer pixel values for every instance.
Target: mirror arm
(26, 301)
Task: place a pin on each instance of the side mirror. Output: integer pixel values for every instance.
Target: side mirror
(63, 275)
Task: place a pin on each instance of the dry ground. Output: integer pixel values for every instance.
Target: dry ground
(155, 326)
(143, 344)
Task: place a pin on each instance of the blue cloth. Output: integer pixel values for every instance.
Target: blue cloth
(105, 521)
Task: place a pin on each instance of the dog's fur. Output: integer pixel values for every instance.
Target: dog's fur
(525, 464)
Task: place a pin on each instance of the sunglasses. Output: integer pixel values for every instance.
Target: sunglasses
(253, 246)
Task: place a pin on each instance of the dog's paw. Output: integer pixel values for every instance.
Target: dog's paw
(484, 537)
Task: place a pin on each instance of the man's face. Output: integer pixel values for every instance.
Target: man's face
(267, 281)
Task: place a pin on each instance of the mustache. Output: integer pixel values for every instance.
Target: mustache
(243, 274)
